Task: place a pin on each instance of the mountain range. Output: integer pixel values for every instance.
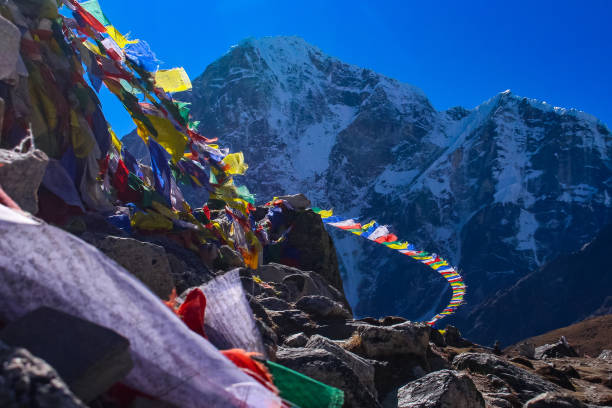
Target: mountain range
(500, 190)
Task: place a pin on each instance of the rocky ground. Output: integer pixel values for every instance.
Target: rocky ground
(307, 325)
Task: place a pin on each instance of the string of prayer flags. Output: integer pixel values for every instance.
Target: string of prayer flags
(381, 234)
(172, 80)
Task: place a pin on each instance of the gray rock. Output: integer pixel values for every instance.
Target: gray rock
(89, 358)
(330, 369)
(296, 340)
(290, 321)
(525, 384)
(360, 366)
(274, 303)
(605, 355)
(322, 306)
(526, 350)
(228, 258)
(554, 400)
(380, 342)
(452, 336)
(559, 349)
(21, 175)
(147, 261)
(440, 389)
(28, 381)
(297, 201)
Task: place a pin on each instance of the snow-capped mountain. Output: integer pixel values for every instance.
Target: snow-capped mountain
(498, 190)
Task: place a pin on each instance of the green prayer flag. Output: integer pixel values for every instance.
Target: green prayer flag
(93, 8)
(304, 391)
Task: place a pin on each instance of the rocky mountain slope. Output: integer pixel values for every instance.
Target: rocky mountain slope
(499, 190)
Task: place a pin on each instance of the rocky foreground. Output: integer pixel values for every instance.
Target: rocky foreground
(306, 324)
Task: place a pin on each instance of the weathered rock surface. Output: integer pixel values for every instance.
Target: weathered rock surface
(296, 340)
(554, 400)
(606, 355)
(322, 306)
(89, 358)
(440, 389)
(559, 349)
(525, 384)
(21, 175)
(146, 261)
(327, 367)
(380, 342)
(27, 381)
(297, 201)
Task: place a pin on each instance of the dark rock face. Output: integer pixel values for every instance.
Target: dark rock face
(21, 175)
(28, 381)
(498, 190)
(559, 349)
(331, 369)
(525, 384)
(440, 389)
(147, 261)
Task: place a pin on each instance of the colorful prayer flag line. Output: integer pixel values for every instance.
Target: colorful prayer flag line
(381, 234)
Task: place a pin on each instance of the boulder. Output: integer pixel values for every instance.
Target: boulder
(605, 355)
(89, 358)
(555, 376)
(452, 337)
(296, 340)
(288, 322)
(559, 349)
(274, 303)
(525, 384)
(330, 369)
(526, 350)
(322, 306)
(440, 389)
(360, 366)
(383, 342)
(554, 400)
(297, 201)
(522, 361)
(146, 261)
(21, 175)
(229, 258)
(28, 381)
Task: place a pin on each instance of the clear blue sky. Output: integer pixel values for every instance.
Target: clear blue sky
(457, 52)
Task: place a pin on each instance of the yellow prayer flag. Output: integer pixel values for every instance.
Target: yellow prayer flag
(171, 139)
(236, 163)
(172, 80)
(326, 213)
(401, 245)
(368, 225)
(116, 142)
(119, 38)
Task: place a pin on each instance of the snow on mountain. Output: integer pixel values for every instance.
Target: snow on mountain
(498, 190)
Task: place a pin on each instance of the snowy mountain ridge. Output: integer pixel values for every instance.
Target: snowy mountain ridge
(498, 190)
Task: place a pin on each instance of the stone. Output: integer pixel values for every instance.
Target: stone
(526, 349)
(21, 175)
(28, 381)
(229, 258)
(322, 306)
(559, 349)
(89, 358)
(296, 340)
(287, 322)
(522, 361)
(525, 384)
(554, 400)
(297, 201)
(330, 369)
(274, 303)
(360, 366)
(440, 389)
(380, 342)
(146, 261)
(555, 376)
(452, 337)
(605, 355)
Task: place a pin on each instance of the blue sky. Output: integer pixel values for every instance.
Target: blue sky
(458, 53)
